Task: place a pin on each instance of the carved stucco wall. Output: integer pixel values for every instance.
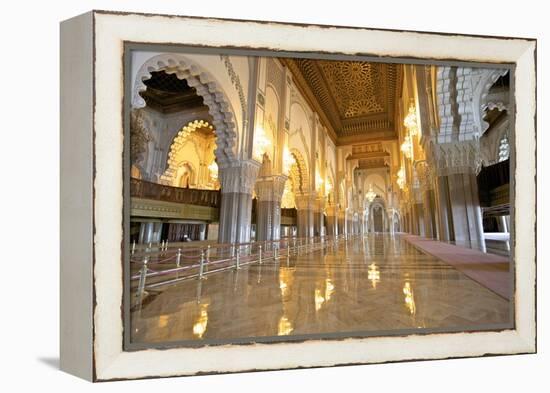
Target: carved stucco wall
(222, 81)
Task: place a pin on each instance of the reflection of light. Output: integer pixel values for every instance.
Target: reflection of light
(288, 160)
(374, 274)
(284, 288)
(213, 169)
(285, 327)
(329, 289)
(401, 178)
(261, 143)
(406, 146)
(409, 298)
(370, 195)
(319, 300)
(163, 321)
(410, 120)
(200, 325)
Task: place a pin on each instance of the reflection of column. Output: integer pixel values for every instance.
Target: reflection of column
(236, 201)
(304, 218)
(269, 190)
(142, 227)
(332, 220)
(341, 222)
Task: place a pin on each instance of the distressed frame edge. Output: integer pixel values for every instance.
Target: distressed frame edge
(76, 207)
(526, 340)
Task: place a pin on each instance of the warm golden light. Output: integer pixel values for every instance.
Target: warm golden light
(409, 298)
(328, 187)
(288, 160)
(374, 274)
(213, 169)
(319, 299)
(370, 195)
(318, 181)
(401, 178)
(410, 121)
(406, 147)
(329, 289)
(261, 143)
(199, 328)
(285, 327)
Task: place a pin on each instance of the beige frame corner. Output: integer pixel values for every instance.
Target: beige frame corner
(111, 30)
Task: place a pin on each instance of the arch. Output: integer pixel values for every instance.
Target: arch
(170, 176)
(185, 175)
(480, 97)
(207, 87)
(299, 175)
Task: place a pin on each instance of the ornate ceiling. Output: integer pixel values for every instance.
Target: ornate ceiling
(167, 93)
(356, 98)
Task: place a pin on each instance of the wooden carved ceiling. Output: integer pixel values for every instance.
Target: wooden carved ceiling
(356, 98)
(167, 93)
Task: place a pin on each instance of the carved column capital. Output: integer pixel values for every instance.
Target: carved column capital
(239, 178)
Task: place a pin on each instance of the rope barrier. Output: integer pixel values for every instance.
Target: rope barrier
(235, 259)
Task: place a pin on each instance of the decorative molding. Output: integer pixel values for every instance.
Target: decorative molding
(236, 82)
(239, 178)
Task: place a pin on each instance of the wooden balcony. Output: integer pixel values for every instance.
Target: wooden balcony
(159, 192)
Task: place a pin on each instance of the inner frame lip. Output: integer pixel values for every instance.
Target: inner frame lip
(232, 50)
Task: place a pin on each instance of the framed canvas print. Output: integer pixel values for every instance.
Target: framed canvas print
(244, 195)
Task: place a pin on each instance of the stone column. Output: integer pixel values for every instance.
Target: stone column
(318, 216)
(304, 215)
(443, 209)
(466, 211)
(341, 222)
(269, 190)
(237, 183)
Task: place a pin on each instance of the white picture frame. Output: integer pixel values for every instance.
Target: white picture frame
(92, 88)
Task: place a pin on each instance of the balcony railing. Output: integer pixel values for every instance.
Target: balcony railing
(160, 192)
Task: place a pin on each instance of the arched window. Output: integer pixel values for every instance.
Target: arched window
(503, 149)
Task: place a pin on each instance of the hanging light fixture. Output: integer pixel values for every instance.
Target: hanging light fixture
(261, 143)
(213, 169)
(318, 181)
(288, 160)
(401, 178)
(370, 195)
(410, 121)
(406, 147)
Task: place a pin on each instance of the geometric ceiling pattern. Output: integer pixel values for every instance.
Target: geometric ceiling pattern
(357, 98)
(358, 87)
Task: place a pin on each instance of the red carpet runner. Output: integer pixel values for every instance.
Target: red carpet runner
(489, 270)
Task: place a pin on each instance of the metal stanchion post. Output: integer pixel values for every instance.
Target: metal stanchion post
(260, 253)
(178, 257)
(238, 257)
(142, 277)
(201, 267)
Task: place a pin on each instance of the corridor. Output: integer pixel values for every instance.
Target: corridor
(365, 286)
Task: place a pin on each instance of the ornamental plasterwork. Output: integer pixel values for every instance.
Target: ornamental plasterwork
(213, 96)
(139, 137)
(236, 81)
(455, 158)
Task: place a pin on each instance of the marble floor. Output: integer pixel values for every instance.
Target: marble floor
(373, 285)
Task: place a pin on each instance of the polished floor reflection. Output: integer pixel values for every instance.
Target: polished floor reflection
(374, 284)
